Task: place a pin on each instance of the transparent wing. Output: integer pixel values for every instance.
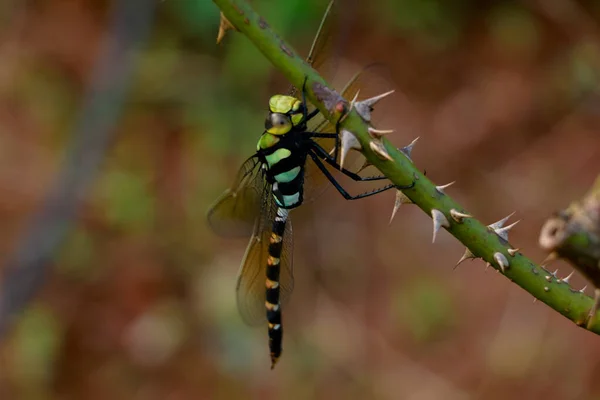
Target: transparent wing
(320, 55)
(250, 289)
(236, 210)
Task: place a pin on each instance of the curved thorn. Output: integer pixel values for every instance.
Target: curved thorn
(503, 231)
(459, 216)
(468, 254)
(364, 107)
(440, 188)
(513, 252)
(568, 277)
(502, 261)
(439, 220)
(407, 150)
(380, 150)
(378, 133)
(352, 105)
(347, 142)
(500, 223)
(224, 26)
(401, 198)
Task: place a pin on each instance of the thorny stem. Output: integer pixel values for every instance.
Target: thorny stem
(481, 240)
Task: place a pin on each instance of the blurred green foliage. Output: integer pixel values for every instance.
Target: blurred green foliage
(425, 309)
(35, 348)
(434, 24)
(515, 28)
(128, 200)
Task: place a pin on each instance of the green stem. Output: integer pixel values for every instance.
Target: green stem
(480, 239)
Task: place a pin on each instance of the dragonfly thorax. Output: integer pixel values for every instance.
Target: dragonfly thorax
(282, 149)
(283, 158)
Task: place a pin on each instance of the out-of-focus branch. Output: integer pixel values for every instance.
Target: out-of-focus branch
(574, 234)
(92, 135)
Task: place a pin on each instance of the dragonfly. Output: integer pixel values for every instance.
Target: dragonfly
(270, 184)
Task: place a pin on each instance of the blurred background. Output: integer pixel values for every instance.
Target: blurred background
(134, 297)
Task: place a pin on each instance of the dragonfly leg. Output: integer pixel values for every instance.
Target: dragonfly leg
(331, 161)
(339, 187)
(337, 138)
(322, 153)
(322, 135)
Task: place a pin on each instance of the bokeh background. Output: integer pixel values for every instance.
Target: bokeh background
(137, 301)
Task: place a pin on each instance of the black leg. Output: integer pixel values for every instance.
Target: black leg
(307, 117)
(322, 153)
(321, 135)
(337, 138)
(339, 187)
(319, 151)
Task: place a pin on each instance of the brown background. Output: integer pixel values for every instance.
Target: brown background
(140, 301)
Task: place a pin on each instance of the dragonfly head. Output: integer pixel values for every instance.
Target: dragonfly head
(285, 113)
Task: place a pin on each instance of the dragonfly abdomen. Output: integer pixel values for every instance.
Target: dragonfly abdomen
(273, 287)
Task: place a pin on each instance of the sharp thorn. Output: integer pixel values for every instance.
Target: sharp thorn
(555, 274)
(439, 220)
(352, 105)
(364, 107)
(500, 223)
(440, 188)
(380, 150)
(503, 231)
(459, 216)
(568, 277)
(407, 150)
(468, 254)
(347, 142)
(534, 300)
(502, 261)
(224, 26)
(371, 101)
(512, 252)
(582, 290)
(378, 133)
(401, 198)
